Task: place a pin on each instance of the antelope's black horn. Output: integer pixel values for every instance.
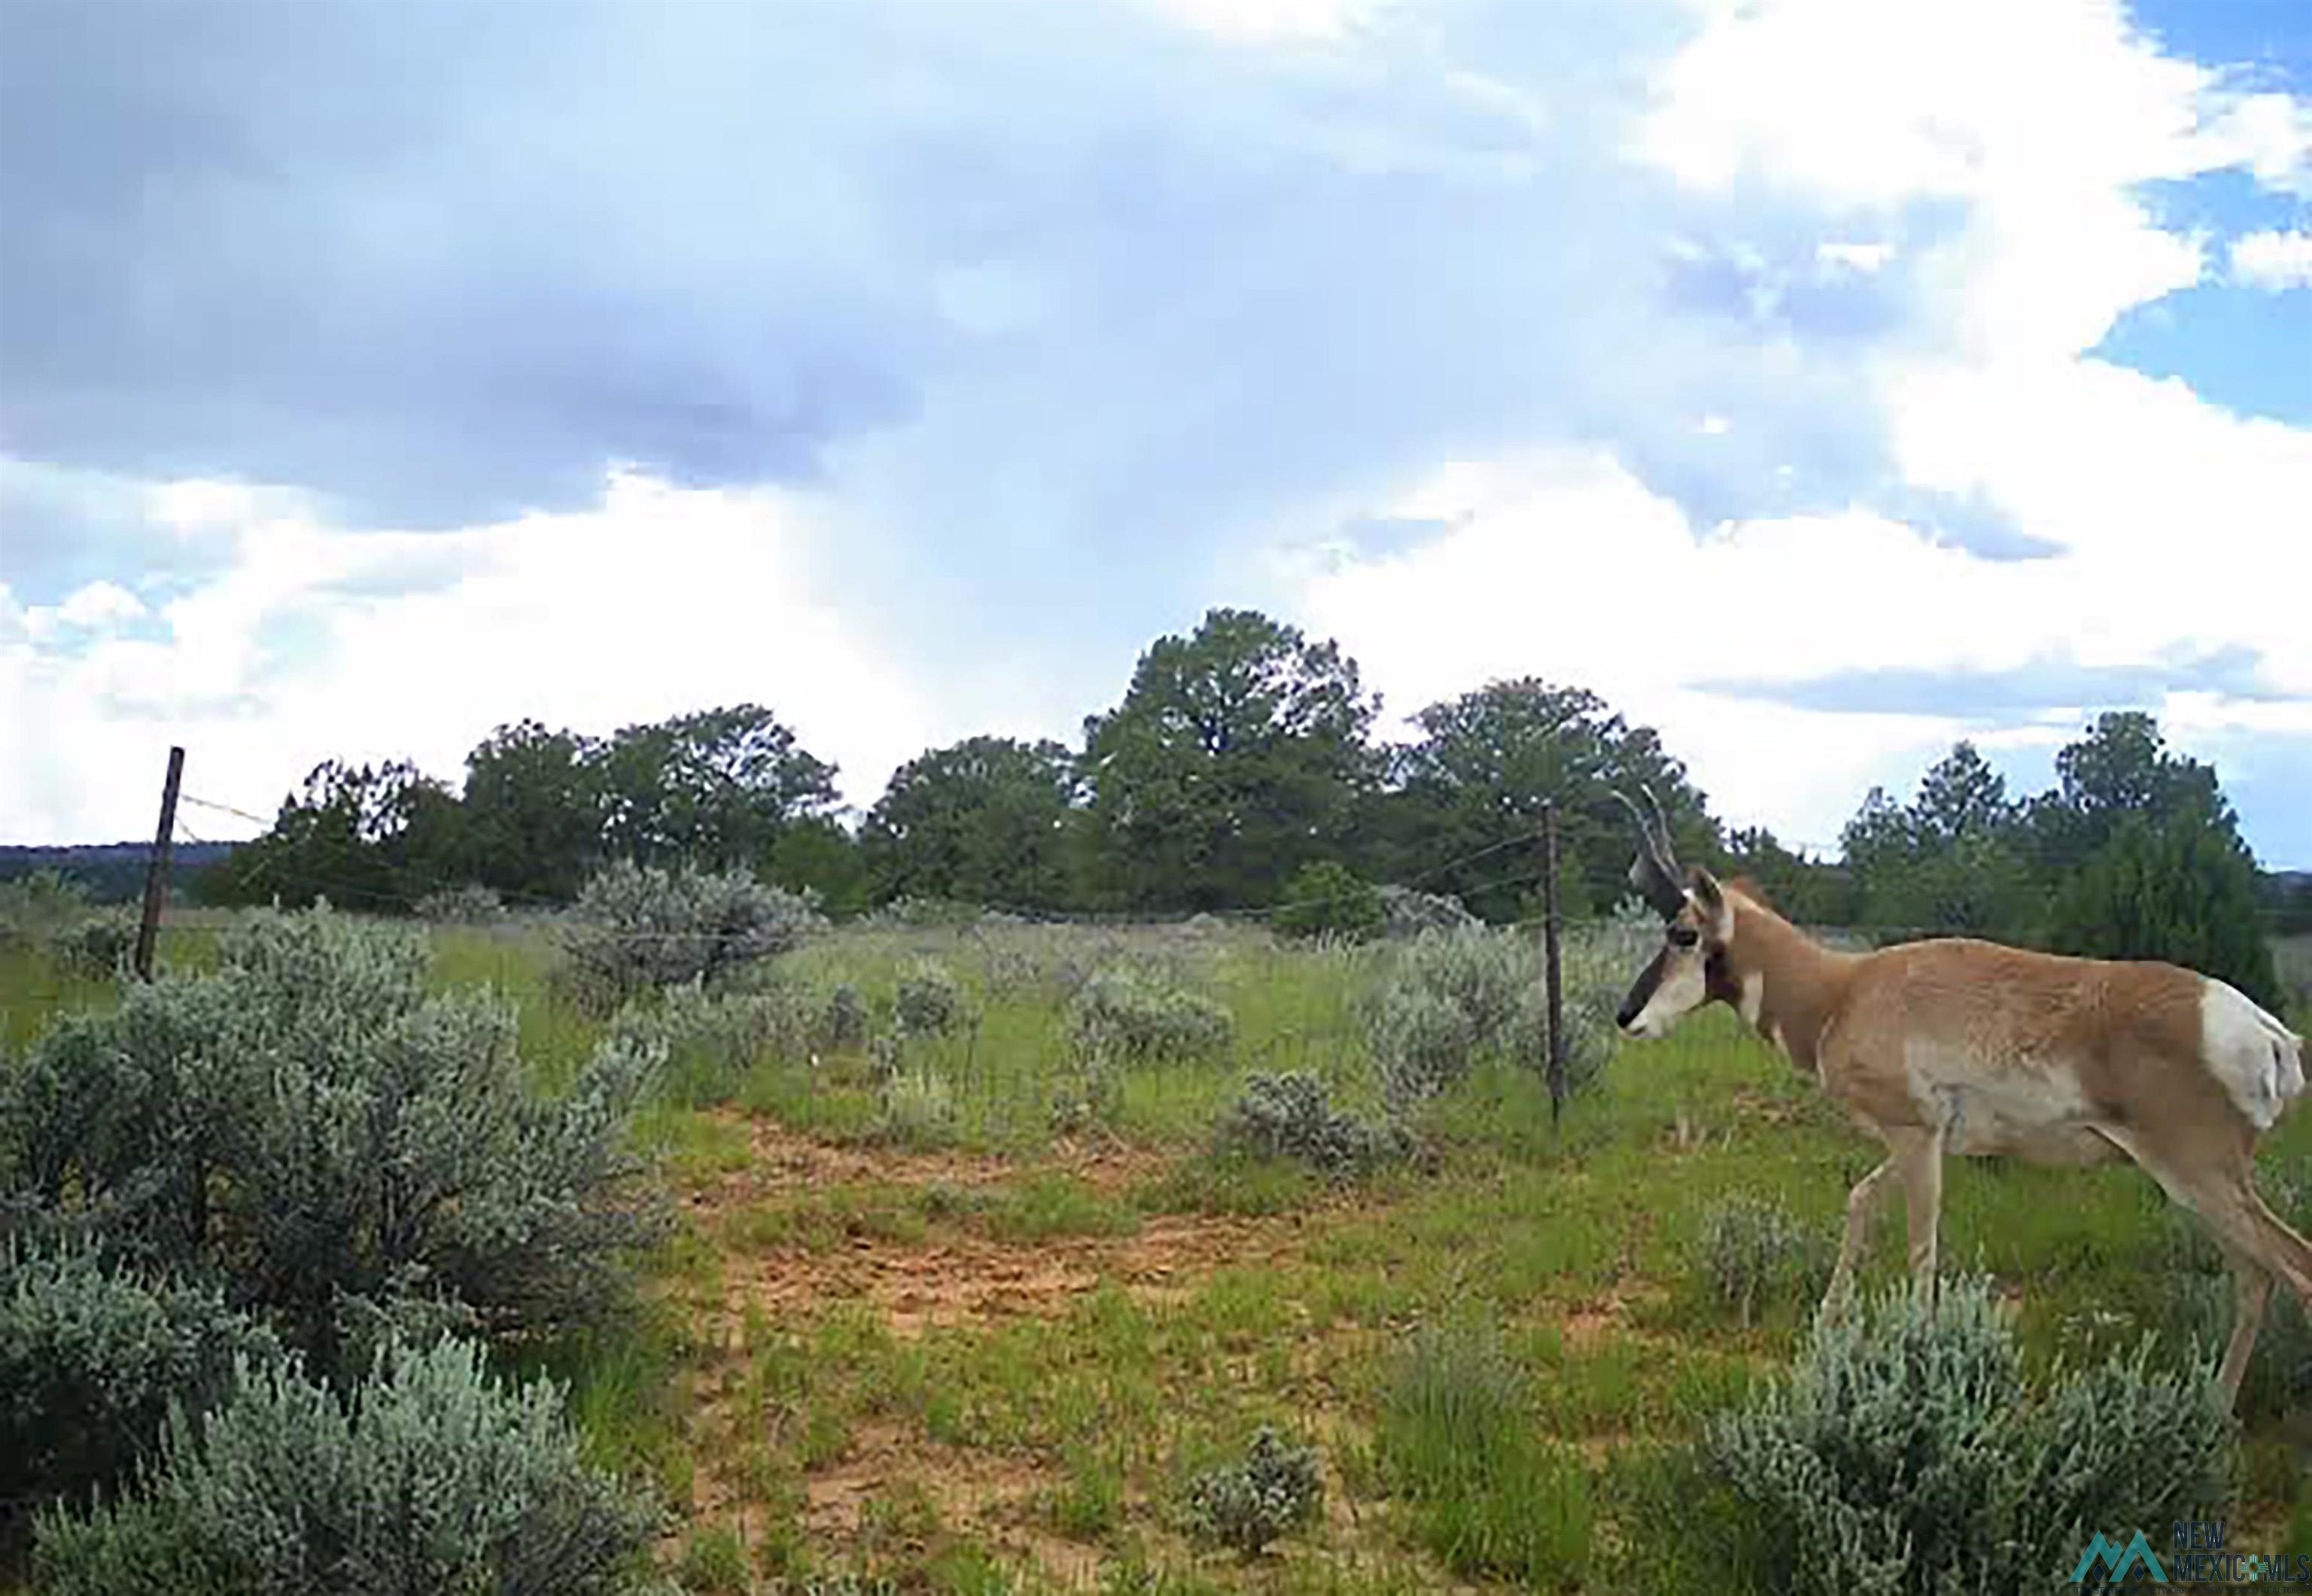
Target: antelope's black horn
(1652, 873)
(1662, 848)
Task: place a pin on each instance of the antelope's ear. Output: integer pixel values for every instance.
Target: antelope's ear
(1710, 898)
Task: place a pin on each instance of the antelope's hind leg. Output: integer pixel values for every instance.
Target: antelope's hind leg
(2222, 1193)
(2252, 1293)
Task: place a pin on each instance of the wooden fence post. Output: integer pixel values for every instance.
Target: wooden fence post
(157, 873)
(1549, 940)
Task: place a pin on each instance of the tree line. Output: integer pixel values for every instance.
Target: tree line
(1240, 759)
(1239, 756)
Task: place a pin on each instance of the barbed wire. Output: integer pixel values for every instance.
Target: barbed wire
(187, 797)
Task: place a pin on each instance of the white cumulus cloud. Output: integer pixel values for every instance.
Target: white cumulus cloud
(318, 643)
(2179, 530)
(2273, 259)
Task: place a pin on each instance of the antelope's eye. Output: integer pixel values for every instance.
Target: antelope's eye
(1683, 936)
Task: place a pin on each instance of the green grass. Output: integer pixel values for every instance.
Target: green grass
(1541, 1449)
(1490, 1492)
(516, 960)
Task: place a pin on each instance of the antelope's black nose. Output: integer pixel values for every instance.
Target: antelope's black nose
(1630, 1010)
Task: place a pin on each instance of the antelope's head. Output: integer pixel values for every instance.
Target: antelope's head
(1697, 923)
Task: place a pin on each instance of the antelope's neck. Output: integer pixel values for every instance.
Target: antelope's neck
(1784, 984)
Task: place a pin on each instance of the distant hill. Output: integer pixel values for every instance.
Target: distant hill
(113, 872)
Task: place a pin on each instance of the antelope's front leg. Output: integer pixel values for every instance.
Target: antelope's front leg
(1861, 1207)
(1918, 1155)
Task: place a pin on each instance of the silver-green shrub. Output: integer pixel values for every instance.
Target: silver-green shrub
(53, 914)
(918, 1109)
(710, 1040)
(91, 1357)
(38, 908)
(100, 946)
(639, 927)
(1277, 1487)
(338, 1150)
(1749, 1248)
(467, 904)
(1122, 1014)
(430, 1477)
(1906, 1453)
(1292, 1115)
(1422, 1041)
(842, 1018)
(928, 1000)
(1454, 999)
(1406, 912)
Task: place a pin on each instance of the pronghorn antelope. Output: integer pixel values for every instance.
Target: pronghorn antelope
(1962, 1046)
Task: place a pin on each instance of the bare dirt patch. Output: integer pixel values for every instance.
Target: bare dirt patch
(783, 1161)
(995, 1497)
(957, 1279)
(953, 1276)
(947, 1274)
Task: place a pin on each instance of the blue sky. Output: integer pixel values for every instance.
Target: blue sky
(1821, 383)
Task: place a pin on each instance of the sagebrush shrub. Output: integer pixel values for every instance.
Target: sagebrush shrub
(1422, 1042)
(335, 1148)
(1906, 1452)
(928, 1000)
(1749, 1247)
(922, 913)
(637, 927)
(1406, 912)
(1292, 1115)
(430, 1477)
(1008, 967)
(1585, 1017)
(843, 1019)
(1454, 999)
(1120, 1014)
(92, 1356)
(1595, 968)
(1277, 1487)
(710, 1040)
(467, 904)
(918, 1109)
(38, 908)
(1088, 1090)
(99, 946)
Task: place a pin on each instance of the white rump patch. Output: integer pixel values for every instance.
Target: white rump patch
(2259, 1061)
